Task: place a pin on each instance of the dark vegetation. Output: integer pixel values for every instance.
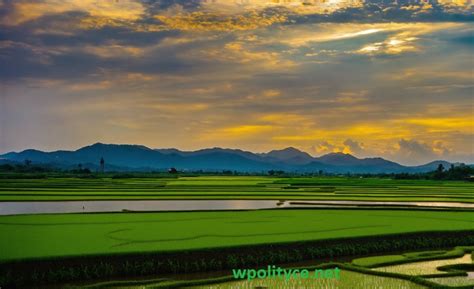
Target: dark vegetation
(163, 284)
(450, 270)
(460, 172)
(27, 169)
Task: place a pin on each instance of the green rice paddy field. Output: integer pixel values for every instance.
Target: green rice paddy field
(40, 236)
(101, 246)
(247, 187)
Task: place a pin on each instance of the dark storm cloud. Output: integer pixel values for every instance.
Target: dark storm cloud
(75, 36)
(5, 9)
(24, 61)
(49, 54)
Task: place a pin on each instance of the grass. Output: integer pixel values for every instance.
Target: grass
(376, 260)
(39, 236)
(235, 187)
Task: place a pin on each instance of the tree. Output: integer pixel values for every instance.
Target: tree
(439, 173)
(173, 171)
(440, 168)
(102, 164)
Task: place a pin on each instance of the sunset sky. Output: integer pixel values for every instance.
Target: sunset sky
(368, 78)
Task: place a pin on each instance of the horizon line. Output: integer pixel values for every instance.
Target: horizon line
(238, 149)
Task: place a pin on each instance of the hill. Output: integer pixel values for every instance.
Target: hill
(142, 158)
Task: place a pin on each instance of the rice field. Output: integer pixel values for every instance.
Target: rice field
(385, 260)
(79, 236)
(352, 280)
(348, 279)
(39, 236)
(424, 267)
(235, 187)
(454, 281)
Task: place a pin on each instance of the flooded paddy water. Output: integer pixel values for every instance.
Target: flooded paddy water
(51, 207)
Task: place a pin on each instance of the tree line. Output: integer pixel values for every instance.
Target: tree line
(27, 168)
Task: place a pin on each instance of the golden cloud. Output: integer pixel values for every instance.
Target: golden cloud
(302, 7)
(405, 37)
(125, 10)
(208, 21)
(245, 54)
(433, 124)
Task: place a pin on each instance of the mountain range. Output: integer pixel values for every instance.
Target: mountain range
(141, 158)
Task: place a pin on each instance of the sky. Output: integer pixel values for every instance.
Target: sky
(370, 78)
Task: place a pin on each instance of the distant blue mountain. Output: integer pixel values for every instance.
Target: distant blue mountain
(432, 166)
(142, 158)
(290, 156)
(341, 162)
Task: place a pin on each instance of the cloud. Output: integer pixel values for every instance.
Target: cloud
(354, 147)
(254, 77)
(250, 57)
(73, 62)
(407, 151)
(347, 146)
(208, 21)
(23, 11)
(414, 152)
(325, 147)
(390, 46)
(441, 123)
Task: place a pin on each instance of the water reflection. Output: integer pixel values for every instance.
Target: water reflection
(377, 203)
(10, 208)
(41, 207)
